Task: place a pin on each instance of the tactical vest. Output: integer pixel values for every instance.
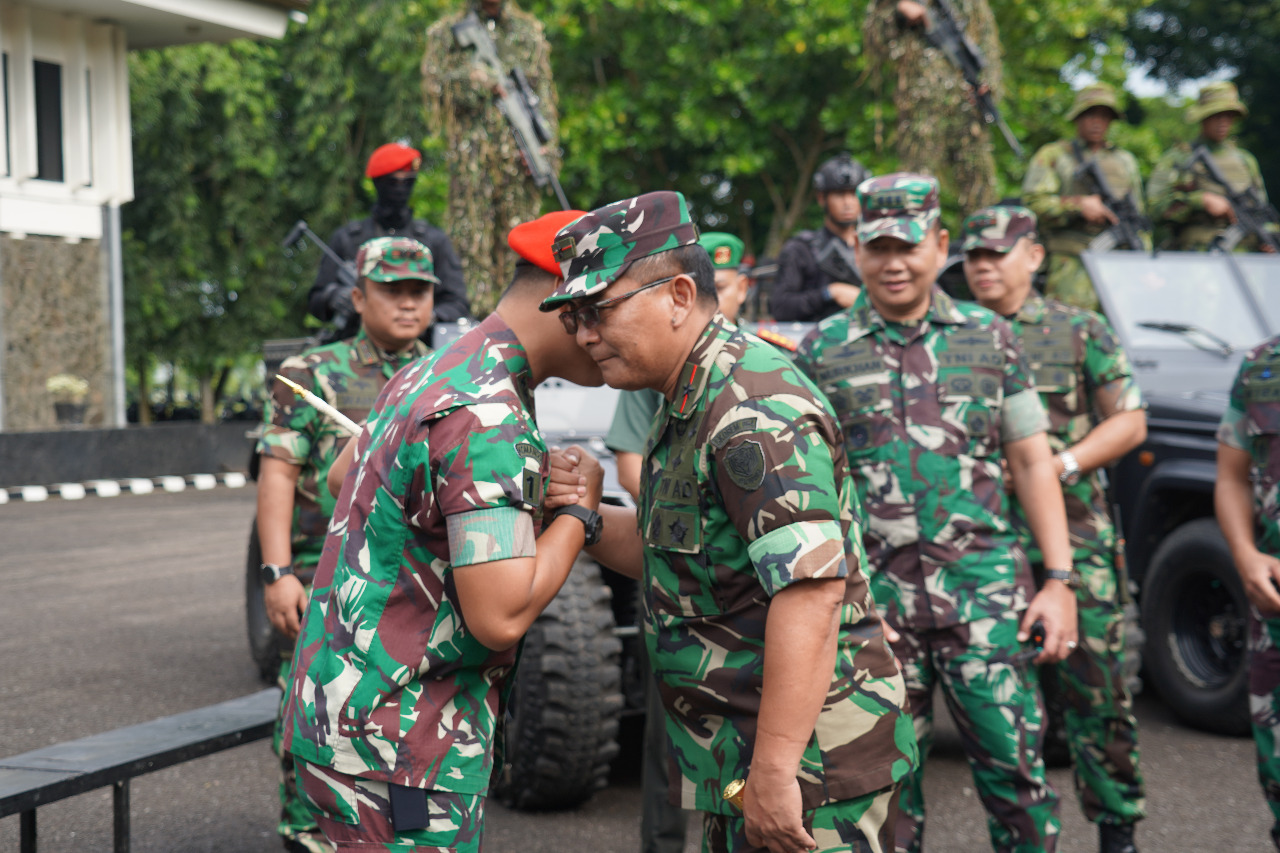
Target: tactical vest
(1118, 178)
(828, 255)
(1056, 354)
(1201, 229)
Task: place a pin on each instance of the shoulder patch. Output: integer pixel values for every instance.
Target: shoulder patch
(736, 428)
(745, 464)
(526, 450)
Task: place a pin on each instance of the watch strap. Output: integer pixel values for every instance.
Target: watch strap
(1070, 577)
(591, 520)
(270, 572)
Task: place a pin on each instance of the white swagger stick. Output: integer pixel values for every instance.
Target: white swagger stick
(352, 428)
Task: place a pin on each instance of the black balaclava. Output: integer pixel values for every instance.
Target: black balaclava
(392, 207)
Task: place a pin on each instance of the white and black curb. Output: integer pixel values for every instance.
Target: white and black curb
(132, 486)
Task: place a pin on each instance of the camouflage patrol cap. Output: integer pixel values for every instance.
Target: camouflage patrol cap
(901, 205)
(1094, 95)
(1221, 97)
(725, 249)
(595, 250)
(395, 259)
(998, 228)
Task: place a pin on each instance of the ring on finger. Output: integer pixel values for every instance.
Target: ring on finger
(1071, 644)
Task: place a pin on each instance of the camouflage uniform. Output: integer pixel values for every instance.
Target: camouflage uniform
(744, 491)
(1073, 353)
(938, 130)
(347, 375)
(388, 684)
(926, 408)
(1176, 192)
(925, 411)
(1052, 189)
(490, 190)
(1252, 424)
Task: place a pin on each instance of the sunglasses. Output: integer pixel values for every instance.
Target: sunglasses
(588, 316)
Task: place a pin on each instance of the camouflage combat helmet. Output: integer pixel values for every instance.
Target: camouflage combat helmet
(1216, 98)
(997, 228)
(1094, 95)
(841, 172)
(901, 205)
(597, 249)
(395, 259)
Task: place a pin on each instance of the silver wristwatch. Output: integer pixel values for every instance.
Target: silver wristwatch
(1070, 468)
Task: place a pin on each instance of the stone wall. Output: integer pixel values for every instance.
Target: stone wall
(54, 318)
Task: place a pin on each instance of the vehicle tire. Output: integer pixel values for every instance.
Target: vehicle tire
(265, 642)
(1195, 616)
(562, 730)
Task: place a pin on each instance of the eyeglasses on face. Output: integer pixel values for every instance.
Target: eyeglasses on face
(588, 316)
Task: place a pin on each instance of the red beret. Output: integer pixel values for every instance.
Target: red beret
(532, 240)
(392, 157)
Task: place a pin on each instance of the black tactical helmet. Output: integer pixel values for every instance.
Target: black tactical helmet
(841, 172)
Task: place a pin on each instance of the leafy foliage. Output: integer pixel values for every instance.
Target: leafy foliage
(735, 104)
(1185, 40)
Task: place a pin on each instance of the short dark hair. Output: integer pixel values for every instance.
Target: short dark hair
(692, 260)
(529, 276)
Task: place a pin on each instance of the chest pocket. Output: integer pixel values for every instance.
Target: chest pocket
(970, 402)
(864, 410)
(674, 518)
(357, 396)
(1262, 415)
(857, 384)
(1056, 365)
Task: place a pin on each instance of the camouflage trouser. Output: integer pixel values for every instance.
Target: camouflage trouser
(1097, 708)
(1069, 282)
(996, 706)
(662, 824)
(862, 825)
(484, 205)
(297, 825)
(1264, 706)
(355, 815)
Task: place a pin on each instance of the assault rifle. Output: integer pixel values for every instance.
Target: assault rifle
(1253, 215)
(345, 273)
(1126, 233)
(947, 35)
(516, 100)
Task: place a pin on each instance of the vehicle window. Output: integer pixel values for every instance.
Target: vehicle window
(1261, 275)
(1178, 299)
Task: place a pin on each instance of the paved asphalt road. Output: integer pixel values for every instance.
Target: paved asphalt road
(119, 610)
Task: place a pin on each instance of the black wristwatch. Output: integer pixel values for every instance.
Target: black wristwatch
(1070, 577)
(270, 572)
(591, 520)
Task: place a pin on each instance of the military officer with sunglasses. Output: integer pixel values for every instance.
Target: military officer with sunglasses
(759, 622)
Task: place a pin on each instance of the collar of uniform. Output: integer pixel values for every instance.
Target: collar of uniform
(1032, 310)
(693, 379)
(942, 308)
(369, 354)
(1215, 147)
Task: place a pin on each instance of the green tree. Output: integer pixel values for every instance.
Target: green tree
(1182, 40)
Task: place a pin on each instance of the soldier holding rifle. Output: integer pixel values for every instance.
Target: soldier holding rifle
(1210, 194)
(945, 54)
(496, 172)
(1087, 194)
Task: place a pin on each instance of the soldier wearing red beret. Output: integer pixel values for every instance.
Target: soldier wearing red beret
(393, 168)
